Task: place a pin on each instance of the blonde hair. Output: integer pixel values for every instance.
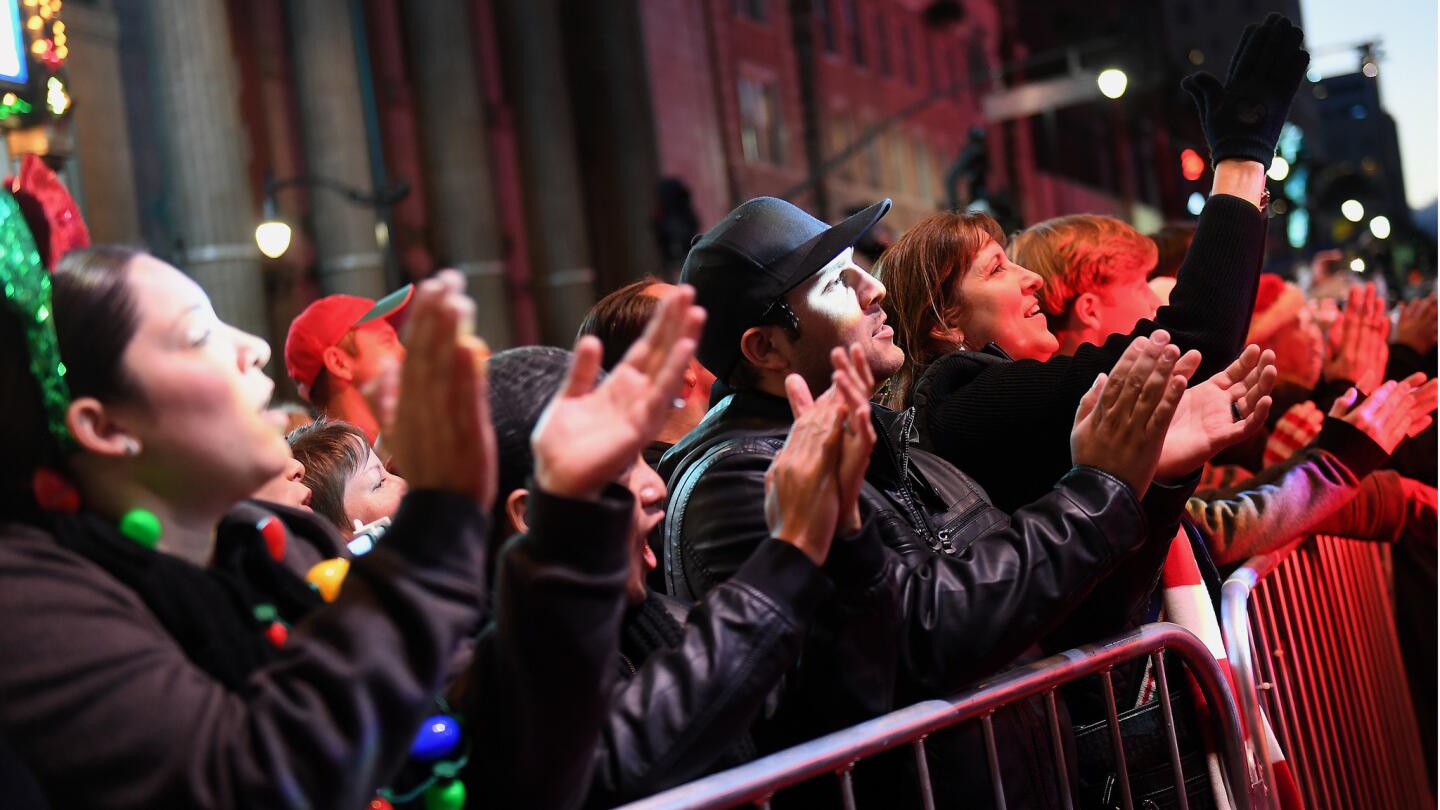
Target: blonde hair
(919, 271)
(1078, 254)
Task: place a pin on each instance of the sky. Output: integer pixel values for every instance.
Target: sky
(1407, 33)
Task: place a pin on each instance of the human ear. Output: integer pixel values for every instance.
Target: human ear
(758, 347)
(947, 335)
(97, 431)
(1085, 312)
(515, 504)
(337, 363)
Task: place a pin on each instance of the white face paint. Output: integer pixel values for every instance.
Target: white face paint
(840, 306)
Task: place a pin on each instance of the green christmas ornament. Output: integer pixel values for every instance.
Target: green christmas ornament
(26, 284)
(142, 526)
(449, 796)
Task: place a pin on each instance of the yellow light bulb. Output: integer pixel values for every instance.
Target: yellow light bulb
(59, 27)
(59, 39)
(34, 23)
(62, 52)
(38, 48)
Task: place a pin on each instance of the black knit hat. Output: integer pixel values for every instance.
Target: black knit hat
(752, 258)
(522, 383)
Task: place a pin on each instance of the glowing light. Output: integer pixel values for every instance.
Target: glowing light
(55, 96)
(1195, 204)
(1112, 82)
(62, 52)
(38, 47)
(34, 23)
(1353, 210)
(1380, 227)
(273, 238)
(8, 99)
(1357, 265)
(1279, 169)
(1191, 164)
(1370, 69)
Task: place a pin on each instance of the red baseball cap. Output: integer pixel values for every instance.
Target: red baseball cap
(326, 321)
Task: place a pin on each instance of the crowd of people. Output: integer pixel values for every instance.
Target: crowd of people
(780, 497)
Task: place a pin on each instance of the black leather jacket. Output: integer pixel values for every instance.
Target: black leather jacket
(676, 714)
(974, 587)
(978, 586)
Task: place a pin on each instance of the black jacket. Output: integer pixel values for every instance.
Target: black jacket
(973, 588)
(692, 685)
(977, 586)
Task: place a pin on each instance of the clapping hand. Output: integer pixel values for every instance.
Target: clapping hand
(589, 434)
(801, 488)
(441, 432)
(1395, 411)
(1225, 409)
(1358, 348)
(1122, 420)
(853, 383)
(1417, 325)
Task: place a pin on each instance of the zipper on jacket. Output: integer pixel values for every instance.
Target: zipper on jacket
(917, 520)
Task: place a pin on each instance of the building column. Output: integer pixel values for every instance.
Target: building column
(333, 132)
(464, 225)
(212, 209)
(102, 138)
(549, 170)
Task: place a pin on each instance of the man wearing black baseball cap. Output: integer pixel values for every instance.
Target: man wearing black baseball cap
(975, 587)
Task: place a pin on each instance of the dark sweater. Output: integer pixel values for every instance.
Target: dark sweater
(1007, 424)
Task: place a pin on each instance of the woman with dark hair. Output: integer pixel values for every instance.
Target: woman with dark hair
(159, 653)
(146, 664)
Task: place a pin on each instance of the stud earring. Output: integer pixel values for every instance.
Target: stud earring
(131, 447)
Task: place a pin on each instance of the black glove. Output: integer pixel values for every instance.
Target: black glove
(1242, 118)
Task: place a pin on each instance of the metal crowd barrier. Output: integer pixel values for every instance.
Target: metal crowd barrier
(756, 782)
(1310, 634)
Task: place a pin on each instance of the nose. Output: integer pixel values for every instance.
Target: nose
(250, 351)
(1030, 281)
(868, 289)
(652, 487)
(296, 471)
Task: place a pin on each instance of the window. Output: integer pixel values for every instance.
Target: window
(752, 9)
(826, 21)
(882, 44)
(761, 135)
(857, 36)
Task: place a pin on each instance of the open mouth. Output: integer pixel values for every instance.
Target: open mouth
(1033, 311)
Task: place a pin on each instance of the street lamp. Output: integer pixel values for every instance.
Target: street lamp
(1353, 210)
(1112, 82)
(273, 235)
(1380, 227)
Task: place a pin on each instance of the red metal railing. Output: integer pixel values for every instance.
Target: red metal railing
(837, 753)
(1310, 635)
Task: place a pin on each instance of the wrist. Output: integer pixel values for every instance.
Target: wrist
(551, 481)
(1240, 178)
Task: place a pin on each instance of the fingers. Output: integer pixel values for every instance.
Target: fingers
(1122, 371)
(1344, 403)
(1091, 399)
(1424, 397)
(799, 395)
(1187, 365)
(1172, 388)
(1145, 386)
(1240, 369)
(584, 368)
